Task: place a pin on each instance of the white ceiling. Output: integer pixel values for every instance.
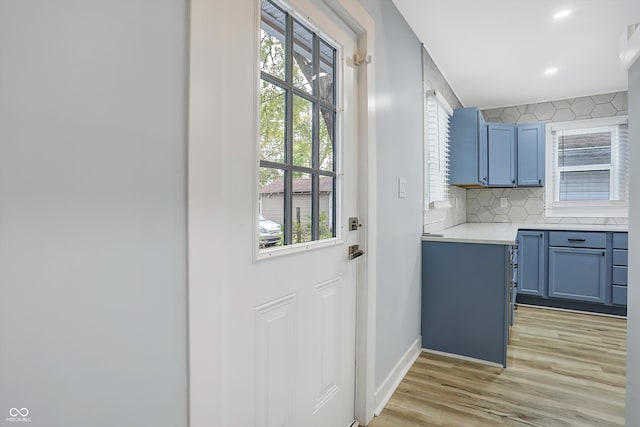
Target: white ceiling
(494, 53)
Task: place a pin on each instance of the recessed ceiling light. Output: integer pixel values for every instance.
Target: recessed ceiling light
(562, 14)
(550, 71)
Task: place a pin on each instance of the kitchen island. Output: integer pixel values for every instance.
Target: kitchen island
(466, 299)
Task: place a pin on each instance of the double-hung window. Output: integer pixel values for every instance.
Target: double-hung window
(297, 132)
(436, 152)
(587, 168)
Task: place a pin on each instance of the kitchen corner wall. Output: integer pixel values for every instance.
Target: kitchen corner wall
(399, 133)
(526, 205)
(439, 219)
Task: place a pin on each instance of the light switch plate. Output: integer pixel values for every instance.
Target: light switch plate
(402, 188)
(503, 202)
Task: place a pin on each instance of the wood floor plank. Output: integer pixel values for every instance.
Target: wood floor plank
(564, 370)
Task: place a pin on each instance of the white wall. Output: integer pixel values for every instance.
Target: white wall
(633, 321)
(398, 98)
(92, 212)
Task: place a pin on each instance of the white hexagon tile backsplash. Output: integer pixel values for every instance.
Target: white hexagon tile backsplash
(523, 205)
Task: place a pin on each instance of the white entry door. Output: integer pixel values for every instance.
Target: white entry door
(272, 322)
(305, 305)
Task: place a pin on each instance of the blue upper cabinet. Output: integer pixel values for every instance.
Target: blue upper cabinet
(467, 147)
(530, 149)
(502, 154)
(494, 154)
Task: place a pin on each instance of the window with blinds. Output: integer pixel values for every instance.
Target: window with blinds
(437, 115)
(589, 168)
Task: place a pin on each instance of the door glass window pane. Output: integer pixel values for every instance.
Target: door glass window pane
(272, 40)
(303, 75)
(302, 131)
(326, 77)
(272, 122)
(327, 207)
(585, 185)
(327, 132)
(297, 133)
(301, 206)
(271, 203)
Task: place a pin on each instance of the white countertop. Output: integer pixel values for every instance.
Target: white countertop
(505, 233)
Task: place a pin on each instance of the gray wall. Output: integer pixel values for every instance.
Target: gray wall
(398, 79)
(633, 322)
(92, 212)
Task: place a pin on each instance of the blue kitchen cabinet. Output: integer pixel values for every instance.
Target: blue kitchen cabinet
(577, 274)
(531, 263)
(467, 148)
(530, 154)
(466, 299)
(619, 276)
(501, 143)
(494, 154)
(576, 270)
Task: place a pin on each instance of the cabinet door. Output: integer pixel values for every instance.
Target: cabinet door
(464, 133)
(502, 154)
(531, 263)
(530, 149)
(577, 274)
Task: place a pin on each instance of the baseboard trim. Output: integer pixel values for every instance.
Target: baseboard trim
(393, 380)
(465, 358)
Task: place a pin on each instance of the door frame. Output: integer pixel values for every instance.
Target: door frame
(363, 26)
(205, 398)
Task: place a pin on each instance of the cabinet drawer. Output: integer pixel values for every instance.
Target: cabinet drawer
(620, 257)
(577, 239)
(620, 241)
(619, 275)
(619, 295)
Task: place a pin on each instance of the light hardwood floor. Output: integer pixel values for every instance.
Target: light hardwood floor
(563, 369)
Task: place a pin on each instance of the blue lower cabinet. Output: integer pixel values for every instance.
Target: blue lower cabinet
(577, 274)
(619, 295)
(620, 257)
(531, 265)
(620, 240)
(619, 275)
(465, 299)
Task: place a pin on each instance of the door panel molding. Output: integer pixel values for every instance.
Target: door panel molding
(275, 363)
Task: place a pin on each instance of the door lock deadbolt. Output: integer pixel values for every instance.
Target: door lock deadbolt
(354, 224)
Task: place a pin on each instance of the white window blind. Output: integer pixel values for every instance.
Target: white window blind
(437, 116)
(589, 168)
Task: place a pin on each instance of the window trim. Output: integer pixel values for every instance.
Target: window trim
(586, 208)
